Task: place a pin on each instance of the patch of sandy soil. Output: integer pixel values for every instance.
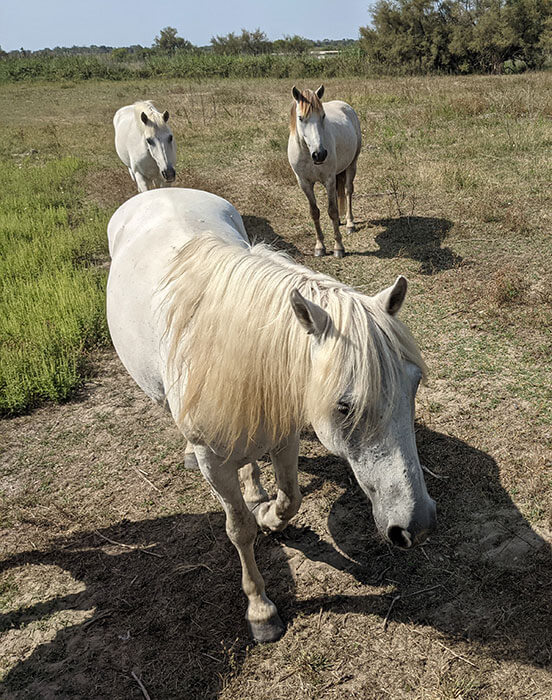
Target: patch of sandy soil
(116, 569)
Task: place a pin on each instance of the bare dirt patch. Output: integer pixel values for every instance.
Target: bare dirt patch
(116, 561)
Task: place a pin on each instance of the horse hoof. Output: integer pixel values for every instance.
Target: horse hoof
(266, 632)
(339, 253)
(350, 229)
(190, 461)
(319, 252)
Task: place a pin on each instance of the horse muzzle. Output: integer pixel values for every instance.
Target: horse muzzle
(318, 157)
(416, 531)
(169, 174)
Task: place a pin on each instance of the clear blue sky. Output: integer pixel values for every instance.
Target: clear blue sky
(37, 24)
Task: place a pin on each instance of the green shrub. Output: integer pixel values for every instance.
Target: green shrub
(51, 293)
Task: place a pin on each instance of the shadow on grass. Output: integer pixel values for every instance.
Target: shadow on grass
(417, 237)
(172, 611)
(484, 577)
(176, 619)
(260, 231)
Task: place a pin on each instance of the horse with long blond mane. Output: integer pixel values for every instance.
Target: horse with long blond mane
(145, 144)
(323, 146)
(245, 348)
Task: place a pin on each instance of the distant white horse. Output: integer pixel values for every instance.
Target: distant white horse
(245, 347)
(323, 146)
(145, 144)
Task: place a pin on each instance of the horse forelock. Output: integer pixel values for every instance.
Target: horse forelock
(153, 114)
(242, 360)
(309, 103)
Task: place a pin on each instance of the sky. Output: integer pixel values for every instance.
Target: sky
(38, 24)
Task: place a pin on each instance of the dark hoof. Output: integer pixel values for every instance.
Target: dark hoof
(267, 632)
(319, 252)
(190, 461)
(339, 253)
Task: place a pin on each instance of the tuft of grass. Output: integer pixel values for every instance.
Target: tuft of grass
(51, 291)
(508, 286)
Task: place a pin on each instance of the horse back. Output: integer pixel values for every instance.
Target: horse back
(144, 235)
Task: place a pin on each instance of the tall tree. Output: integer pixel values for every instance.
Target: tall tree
(255, 42)
(169, 42)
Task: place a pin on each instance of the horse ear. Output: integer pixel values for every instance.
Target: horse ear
(144, 117)
(320, 92)
(165, 116)
(296, 94)
(392, 298)
(311, 316)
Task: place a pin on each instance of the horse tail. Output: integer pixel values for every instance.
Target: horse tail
(340, 187)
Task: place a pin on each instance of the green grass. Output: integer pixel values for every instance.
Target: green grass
(51, 297)
(189, 66)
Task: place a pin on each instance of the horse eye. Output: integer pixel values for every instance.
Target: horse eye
(323, 115)
(344, 408)
(170, 138)
(150, 141)
(300, 119)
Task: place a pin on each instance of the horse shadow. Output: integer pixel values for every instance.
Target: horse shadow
(260, 231)
(162, 599)
(416, 237)
(485, 576)
(167, 606)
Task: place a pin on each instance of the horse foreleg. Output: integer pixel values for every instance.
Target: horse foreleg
(349, 189)
(254, 492)
(141, 182)
(276, 514)
(308, 189)
(333, 213)
(262, 615)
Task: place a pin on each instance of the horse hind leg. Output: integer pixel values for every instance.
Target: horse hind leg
(190, 460)
(340, 188)
(349, 189)
(333, 213)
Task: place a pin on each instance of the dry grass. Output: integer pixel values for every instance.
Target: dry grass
(453, 191)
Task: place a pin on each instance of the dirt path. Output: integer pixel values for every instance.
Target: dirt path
(116, 563)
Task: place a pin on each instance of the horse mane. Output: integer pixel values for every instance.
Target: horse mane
(154, 115)
(308, 102)
(244, 358)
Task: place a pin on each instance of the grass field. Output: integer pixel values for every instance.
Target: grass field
(115, 559)
(52, 293)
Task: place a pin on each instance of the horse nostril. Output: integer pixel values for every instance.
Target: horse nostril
(399, 537)
(319, 156)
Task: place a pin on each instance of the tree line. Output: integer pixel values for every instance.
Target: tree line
(168, 43)
(421, 36)
(460, 36)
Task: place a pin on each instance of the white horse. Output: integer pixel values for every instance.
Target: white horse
(323, 146)
(245, 347)
(145, 144)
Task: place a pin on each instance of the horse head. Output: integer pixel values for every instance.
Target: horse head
(307, 121)
(160, 143)
(364, 378)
